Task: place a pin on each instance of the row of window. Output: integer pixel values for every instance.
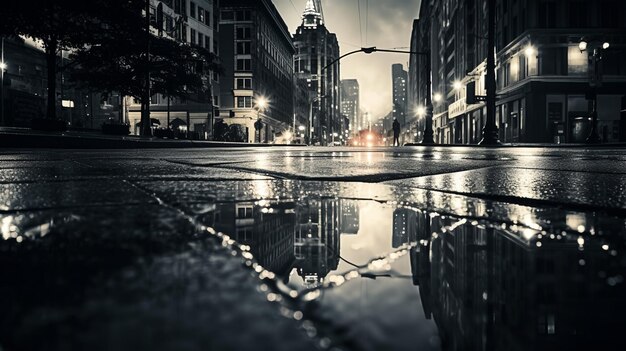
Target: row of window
(200, 39)
(199, 13)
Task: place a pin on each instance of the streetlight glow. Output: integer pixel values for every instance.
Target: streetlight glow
(582, 45)
(3, 65)
(530, 51)
(421, 110)
(606, 45)
(457, 85)
(437, 97)
(261, 102)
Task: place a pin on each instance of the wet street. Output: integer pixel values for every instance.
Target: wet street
(323, 248)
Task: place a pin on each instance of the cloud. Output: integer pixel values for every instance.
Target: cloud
(387, 25)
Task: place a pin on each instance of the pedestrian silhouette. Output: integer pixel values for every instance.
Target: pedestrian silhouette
(396, 132)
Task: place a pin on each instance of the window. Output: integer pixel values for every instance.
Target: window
(553, 61)
(228, 15)
(243, 15)
(243, 83)
(576, 61)
(578, 14)
(611, 12)
(243, 64)
(177, 8)
(244, 212)
(200, 14)
(193, 36)
(243, 48)
(192, 9)
(207, 18)
(243, 33)
(200, 39)
(207, 42)
(243, 102)
(547, 14)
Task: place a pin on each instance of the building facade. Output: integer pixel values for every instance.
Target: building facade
(399, 82)
(256, 52)
(316, 49)
(350, 104)
(545, 83)
(193, 22)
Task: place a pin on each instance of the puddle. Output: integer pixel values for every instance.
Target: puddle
(381, 276)
(359, 274)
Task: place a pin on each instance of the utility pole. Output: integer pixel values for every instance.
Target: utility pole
(146, 124)
(428, 126)
(3, 67)
(490, 130)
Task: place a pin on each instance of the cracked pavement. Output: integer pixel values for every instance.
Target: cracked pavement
(193, 249)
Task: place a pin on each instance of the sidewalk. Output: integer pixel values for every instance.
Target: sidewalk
(26, 138)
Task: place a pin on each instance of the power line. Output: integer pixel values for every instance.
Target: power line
(294, 6)
(360, 23)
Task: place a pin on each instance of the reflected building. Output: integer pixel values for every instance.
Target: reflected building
(268, 230)
(349, 216)
(317, 239)
(497, 289)
(404, 222)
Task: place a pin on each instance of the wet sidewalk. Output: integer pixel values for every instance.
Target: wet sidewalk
(312, 248)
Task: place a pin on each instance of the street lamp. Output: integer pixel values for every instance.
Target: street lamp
(594, 49)
(457, 85)
(261, 105)
(437, 97)
(3, 67)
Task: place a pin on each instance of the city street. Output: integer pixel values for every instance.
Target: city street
(298, 248)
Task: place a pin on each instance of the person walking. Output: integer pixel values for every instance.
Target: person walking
(396, 132)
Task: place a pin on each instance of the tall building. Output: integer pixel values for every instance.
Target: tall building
(350, 104)
(316, 49)
(545, 82)
(193, 22)
(256, 52)
(399, 80)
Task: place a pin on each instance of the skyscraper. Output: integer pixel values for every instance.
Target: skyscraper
(350, 104)
(316, 48)
(399, 78)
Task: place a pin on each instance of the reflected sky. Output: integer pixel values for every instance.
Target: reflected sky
(401, 276)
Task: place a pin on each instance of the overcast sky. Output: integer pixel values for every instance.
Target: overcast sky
(387, 25)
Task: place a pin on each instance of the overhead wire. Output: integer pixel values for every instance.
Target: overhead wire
(360, 22)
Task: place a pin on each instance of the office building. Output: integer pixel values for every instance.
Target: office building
(316, 48)
(545, 82)
(257, 83)
(350, 104)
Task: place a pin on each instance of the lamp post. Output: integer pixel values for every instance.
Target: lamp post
(261, 105)
(594, 49)
(3, 67)
(490, 130)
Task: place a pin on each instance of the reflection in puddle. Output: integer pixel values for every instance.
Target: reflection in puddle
(481, 285)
